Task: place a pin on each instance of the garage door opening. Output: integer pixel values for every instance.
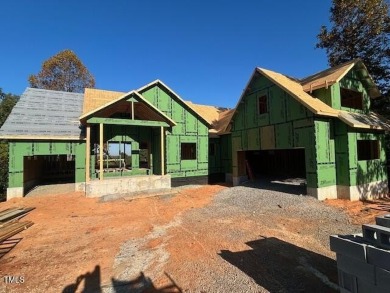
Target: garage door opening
(48, 170)
(278, 167)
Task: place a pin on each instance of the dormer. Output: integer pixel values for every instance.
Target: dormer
(347, 86)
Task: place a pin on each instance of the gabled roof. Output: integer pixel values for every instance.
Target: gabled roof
(123, 97)
(316, 106)
(215, 117)
(176, 96)
(334, 74)
(44, 114)
(327, 77)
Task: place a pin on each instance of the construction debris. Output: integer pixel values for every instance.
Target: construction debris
(9, 222)
(13, 214)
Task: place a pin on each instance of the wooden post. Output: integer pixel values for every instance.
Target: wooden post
(132, 110)
(101, 147)
(88, 155)
(162, 150)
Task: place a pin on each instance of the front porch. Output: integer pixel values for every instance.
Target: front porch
(125, 147)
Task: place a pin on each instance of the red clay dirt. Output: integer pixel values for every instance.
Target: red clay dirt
(74, 236)
(362, 212)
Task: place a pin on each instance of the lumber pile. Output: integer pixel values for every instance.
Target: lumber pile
(9, 222)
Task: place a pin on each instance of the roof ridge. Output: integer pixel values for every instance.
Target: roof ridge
(332, 68)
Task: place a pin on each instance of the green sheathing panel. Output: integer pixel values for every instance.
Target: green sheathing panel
(366, 171)
(221, 160)
(329, 95)
(352, 81)
(342, 152)
(351, 171)
(325, 153)
(20, 149)
(288, 124)
(215, 158)
(189, 129)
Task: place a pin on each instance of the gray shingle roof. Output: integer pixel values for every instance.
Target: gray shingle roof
(45, 113)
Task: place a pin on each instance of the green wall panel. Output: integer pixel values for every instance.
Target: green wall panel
(191, 123)
(189, 165)
(202, 147)
(284, 136)
(164, 101)
(251, 111)
(253, 139)
(173, 145)
(277, 107)
(21, 149)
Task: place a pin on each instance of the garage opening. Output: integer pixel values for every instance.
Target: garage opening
(288, 162)
(278, 167)
(48, 170)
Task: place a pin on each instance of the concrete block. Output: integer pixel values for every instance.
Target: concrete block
(378, 257)
(382, 278)
(364, 287)
(383, 220)
(353, 266)
(347, 282)
(377, 235)
(348, 245)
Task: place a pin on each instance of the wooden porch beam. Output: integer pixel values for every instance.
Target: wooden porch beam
(88, 154)
(117, 121)
(162, 150)
(101, 151)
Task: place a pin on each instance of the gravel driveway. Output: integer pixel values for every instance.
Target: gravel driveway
(249, 239)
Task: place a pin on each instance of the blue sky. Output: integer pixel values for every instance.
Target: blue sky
(204, 50)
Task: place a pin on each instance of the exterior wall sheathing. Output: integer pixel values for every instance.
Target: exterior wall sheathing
(287, 125)
(18, 150)
(189, 129)
(332, 167)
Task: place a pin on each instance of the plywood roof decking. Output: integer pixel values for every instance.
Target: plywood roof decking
(335, 74)
(327, 77)
(221, 125)
(209, 113)
(370, 121)
(94, 98)
(44, 113)
(218, 118)
(296, 91)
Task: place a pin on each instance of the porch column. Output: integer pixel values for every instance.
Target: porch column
(162, 150)
(88, 154)
(101, 147)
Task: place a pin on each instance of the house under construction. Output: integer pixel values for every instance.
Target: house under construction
(319, 128)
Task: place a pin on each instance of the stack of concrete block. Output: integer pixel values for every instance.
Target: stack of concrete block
(363, 260)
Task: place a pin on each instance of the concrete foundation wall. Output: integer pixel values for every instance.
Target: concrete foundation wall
(239, 179)
(229, 178)
(126, 185)
(13, 192)
(365, 191)
(329, 192)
